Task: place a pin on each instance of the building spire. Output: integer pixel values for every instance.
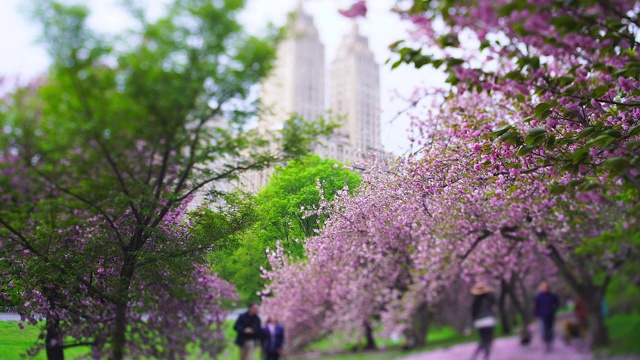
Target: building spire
(355, 30)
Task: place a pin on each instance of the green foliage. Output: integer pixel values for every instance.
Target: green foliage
(624, 330)
(278, 214)
(292, 191)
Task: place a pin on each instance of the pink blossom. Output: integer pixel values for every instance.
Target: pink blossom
(358, 9)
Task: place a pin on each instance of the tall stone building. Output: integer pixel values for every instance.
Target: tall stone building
(296, 86)
(354, 99)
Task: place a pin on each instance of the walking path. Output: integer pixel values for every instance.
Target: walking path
(510, 349)
(9, 317)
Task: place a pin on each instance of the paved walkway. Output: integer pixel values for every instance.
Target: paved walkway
(9, 317)
(510, 349)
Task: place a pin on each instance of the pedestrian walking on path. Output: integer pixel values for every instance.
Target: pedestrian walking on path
(273, 339)
(510, 349)
(249, 331)
(484, 317)
(546, 306)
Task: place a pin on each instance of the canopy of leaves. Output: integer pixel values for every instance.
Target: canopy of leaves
(283, 212)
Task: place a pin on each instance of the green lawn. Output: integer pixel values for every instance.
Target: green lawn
(437, 338)
(625, 334)
(624, 331)
(15, 342)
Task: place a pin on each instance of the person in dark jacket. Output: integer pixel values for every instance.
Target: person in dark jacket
(546, 306)
(249, 331)
(273, 339)
(484, 318)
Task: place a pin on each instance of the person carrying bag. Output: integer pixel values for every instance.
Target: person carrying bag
(484, 318)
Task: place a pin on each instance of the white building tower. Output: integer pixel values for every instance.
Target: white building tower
(355, 93)
(296, 84)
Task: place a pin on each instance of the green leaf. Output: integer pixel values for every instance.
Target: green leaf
(588, 186)
(543, 110)
(616, 165)
(551, 141)
(527, 149)
(600, 91)
(574, 183)
(635, 130)
(601, 141)
(395, 45)
(537, 141)
(567, 140)
(508, 135)
(452, 79)
(557, 189)
(579, 156)
(586, 132)
(536, 132)
(613, 133)
(536, 136)
(499, 131)
(565, 81)
(564, 23)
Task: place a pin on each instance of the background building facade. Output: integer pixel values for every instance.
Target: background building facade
(296, 87)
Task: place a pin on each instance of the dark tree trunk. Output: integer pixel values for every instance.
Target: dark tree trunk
(368, 333)
(421, 325)
(504, 316)
(522, 310)
(119, 334)
(53, 340)
(118, 337)
(598, 333)
(589, 292)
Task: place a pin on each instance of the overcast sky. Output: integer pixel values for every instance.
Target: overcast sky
(21, 56)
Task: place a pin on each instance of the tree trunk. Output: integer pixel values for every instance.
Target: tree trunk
(53, 340)
(522, 309)
(368, 333)
(421, 325)
(590, 294)
(598, 333)
(119, 334)
(504, 316)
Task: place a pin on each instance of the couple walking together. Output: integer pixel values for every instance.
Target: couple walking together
(251, 334)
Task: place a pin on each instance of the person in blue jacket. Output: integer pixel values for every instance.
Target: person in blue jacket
(273, 338)
(546, 306)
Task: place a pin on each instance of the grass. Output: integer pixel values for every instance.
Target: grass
(15, 342)
(437, 338)
(624, 331)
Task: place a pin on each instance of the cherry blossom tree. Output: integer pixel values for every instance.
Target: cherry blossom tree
(558, 83)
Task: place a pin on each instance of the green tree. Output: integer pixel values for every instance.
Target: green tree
(284, 213)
